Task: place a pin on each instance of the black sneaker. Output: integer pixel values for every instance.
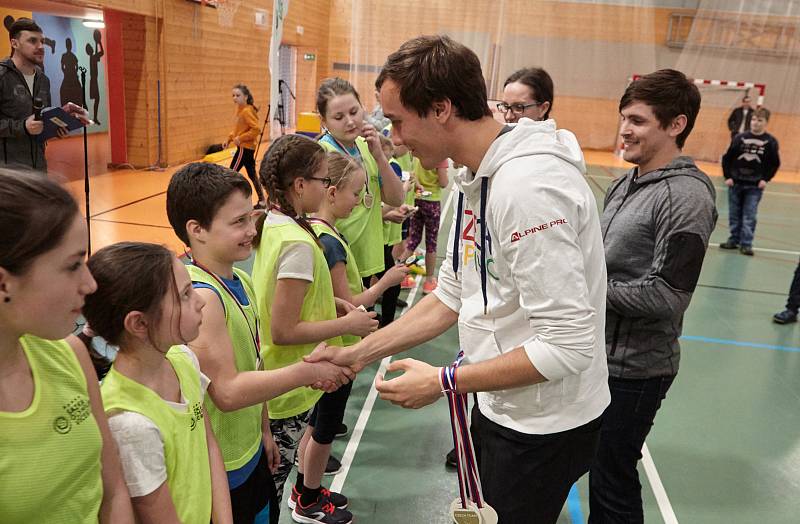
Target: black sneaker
(787, 316)
(323, 512)
(342, 430)
(332, 468)
(451, 460)
(401, 303)
(729, 245)
(746, 250)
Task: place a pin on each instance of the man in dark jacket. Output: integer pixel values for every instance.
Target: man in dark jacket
(21, 82)
(739, 121)
(656, 225)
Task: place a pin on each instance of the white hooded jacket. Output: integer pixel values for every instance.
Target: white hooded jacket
(525, 267)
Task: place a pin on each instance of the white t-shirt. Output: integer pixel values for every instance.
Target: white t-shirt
(29, 81)
(297, 259)
(141, 447)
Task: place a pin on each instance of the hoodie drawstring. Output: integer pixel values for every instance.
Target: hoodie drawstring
(457, 238)
(484, 247)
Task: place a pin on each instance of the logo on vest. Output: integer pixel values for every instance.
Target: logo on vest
(197, 415)
(77, 410)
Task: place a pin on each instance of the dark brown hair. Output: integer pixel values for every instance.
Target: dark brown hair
(289, 157)
(35, 214)
(23, 24)
(248, 95)
(538, 81)
(333, 87)
(670, 94)
(430, 69)
(197, 191)
(131, 276)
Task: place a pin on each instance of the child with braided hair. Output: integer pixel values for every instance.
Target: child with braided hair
(298, 310)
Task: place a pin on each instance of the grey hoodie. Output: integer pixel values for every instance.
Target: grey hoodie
(655, 232)
(18, 148)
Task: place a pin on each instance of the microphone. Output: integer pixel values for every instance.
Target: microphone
(38, 104)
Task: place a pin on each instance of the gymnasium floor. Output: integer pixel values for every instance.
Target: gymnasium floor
(725, 445)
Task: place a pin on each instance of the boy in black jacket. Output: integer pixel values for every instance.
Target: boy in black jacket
(751, 161)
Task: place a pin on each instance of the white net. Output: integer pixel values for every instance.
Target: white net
(226, 10)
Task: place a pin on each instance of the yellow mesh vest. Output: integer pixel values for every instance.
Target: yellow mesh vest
(50, 452)
(318, 304)
(183, 434)
(238, 432)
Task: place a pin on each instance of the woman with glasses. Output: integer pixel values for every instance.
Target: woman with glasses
(527, 93)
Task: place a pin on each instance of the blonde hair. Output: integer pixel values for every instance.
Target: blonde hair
(340, 168)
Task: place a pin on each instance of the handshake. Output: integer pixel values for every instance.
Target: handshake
(331, 367)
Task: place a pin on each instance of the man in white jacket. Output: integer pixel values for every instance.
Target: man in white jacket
(524, 278)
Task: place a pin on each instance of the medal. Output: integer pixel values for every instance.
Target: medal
(469, 507)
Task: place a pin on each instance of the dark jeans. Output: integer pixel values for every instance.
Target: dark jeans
(742, 208)
(794, 291)
(244, 157)
(615, 493)
(526, 478)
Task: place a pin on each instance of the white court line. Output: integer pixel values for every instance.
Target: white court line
(667, 513)
(366, 409)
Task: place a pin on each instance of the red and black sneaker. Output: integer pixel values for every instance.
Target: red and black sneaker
(321, 512)
(337, 499)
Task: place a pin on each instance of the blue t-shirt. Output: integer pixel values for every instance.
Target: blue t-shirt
(333, 249)
(234, 284)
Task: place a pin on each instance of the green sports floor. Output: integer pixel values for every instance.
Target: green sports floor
(726, 443)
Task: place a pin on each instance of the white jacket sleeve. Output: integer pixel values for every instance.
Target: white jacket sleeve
(539, 240)
(449, 289)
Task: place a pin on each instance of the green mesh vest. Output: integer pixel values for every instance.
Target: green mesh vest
(183, 434)
(318, 304)
(50, 452)
(238, 432)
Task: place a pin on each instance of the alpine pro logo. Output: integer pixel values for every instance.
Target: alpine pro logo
(76, 411)
(517, 236)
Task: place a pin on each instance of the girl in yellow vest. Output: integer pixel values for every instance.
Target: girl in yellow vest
(342, 115)
(153, 394)
(58, 462)
(295, 300)
(209, 208)
(347, 181)
(244, 136)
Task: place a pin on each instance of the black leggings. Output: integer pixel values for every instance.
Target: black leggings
(390, 296)
(246, 157)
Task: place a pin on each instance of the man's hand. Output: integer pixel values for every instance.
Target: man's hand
(329, 377)
(34, 127)
(416, 388)
(729, 182)
(344, 357)
(762, 184)
(62, 132)
(78, 112)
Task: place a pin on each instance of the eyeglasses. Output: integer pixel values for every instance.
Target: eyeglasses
(517, 109)
(326, 182)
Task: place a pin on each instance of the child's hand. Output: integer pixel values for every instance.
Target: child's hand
(396, 215)
(361, 323)
(729, 182)
(370, 134)
(395, 275)
(329, 377)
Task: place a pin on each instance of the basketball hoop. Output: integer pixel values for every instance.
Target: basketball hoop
(226, 9)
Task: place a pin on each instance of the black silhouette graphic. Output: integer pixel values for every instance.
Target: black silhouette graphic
(8, 21)
(94, 60)
(70, 86)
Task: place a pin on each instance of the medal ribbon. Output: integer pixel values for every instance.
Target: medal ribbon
(469, 483)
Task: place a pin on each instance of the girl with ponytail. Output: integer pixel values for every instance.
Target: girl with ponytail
(294, 297)
(244, 136)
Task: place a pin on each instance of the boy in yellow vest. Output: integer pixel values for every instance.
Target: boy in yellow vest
(210, 210)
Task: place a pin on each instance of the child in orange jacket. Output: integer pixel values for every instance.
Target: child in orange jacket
(244, 136)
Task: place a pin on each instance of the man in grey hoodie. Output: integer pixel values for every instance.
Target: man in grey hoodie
(656, 225)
